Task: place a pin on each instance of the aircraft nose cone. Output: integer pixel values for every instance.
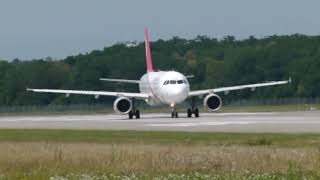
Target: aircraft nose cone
(175, 92)
(177, 95)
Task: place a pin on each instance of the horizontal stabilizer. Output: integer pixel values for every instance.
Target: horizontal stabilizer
(190, 76)
(120, 80)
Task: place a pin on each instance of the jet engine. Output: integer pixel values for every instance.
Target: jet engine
(212, 102)
(122, 105)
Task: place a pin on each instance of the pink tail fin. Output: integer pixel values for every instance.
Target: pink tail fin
(148, 52)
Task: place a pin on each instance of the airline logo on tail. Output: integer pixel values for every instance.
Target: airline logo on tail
(148, 52)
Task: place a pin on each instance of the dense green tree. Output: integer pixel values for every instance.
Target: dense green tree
(214, 63)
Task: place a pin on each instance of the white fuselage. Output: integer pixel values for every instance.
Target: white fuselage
(164, 87)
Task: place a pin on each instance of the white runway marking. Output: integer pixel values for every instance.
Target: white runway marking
(198, 124)
(242, 113)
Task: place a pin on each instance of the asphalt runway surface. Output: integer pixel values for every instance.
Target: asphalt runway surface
(275, 122)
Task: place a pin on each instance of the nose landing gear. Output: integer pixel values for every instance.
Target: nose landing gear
(174, 113)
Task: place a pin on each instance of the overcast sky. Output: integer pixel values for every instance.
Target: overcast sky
(59, 28)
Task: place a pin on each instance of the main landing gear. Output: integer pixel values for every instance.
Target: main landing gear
(193, 110)
(190, 111)
(134, 111)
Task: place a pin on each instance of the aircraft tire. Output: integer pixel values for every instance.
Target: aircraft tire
(189, 113)
(137, 114)
(196, 112)
(130, 115)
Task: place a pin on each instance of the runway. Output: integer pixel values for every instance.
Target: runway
(274, 122)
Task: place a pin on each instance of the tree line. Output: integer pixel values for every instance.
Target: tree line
(214, 62)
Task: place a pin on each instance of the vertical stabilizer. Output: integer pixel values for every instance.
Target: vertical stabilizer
(148, 52)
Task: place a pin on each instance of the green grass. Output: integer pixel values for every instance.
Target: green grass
(291, 175)
(104, 154)
(157, 137)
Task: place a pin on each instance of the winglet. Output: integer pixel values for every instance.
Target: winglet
(290, 80)
(148, 52)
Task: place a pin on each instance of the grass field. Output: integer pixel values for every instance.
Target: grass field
(92, 154)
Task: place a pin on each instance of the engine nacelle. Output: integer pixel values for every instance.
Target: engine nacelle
(212, 102)
(122, 105)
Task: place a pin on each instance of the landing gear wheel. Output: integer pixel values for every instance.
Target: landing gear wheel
(189, 113)
(174, 115)
(130, 115)
(193, 110)
(196, 112)
(134, 111)
(137, 114)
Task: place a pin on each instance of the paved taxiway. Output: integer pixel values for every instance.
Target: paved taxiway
(209, 122)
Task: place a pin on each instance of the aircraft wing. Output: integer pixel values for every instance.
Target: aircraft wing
(232, 88)
(94, 93)
(120, 80)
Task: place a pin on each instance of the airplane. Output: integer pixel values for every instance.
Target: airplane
(162, 87)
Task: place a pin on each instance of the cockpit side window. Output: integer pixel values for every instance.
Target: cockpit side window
(173, 82)
(166, 82)
(180, 81)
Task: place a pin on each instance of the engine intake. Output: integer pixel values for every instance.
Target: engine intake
(122, 105)
(212, 102)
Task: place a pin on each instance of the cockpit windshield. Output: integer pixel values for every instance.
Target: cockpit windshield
(175, 82)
